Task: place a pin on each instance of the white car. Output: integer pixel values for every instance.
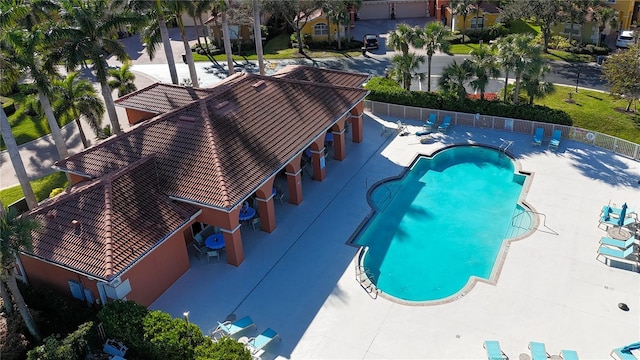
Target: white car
(625, 39)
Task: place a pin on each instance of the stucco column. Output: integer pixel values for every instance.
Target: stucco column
(339, 148)
(233, 244)
(318, 160)
(266, 210)
(356, 123)
(294, 180)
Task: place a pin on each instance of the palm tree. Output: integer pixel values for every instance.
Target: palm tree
(506, 57)
(155, 31)
(176, 8)
(9, 13)
(403, 37)
(221, 7)
(454, 78)
(15, 234)
(257, 35)
(405, 68)
(75, 99)
(484, 66)
(526, 54)
(603, 16)
(434, 38)
(89, 34)
(122, 79)
(533, 81)
(29, 54)
(462, 8)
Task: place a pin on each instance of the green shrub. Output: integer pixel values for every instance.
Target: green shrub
(171, 339)
(225, 348)
(8, 105)
(55, 192)
(73, 347)
(123, 320)
(559, 43)
(382, 91)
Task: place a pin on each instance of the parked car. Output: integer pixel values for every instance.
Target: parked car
(371, 41)
(625, 39)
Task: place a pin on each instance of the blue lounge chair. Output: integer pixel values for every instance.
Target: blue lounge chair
(555, 139)
(622, 354)
(622, 244)
(494, 352)
(612, 211)
(232, 328)
(569, 355)
(538, 351)
(256, 344)
(537, 137)
(608, 220)
(615, 253)
(445, 124)
(430, 122)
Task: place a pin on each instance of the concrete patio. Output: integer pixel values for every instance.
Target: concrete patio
(300, 279)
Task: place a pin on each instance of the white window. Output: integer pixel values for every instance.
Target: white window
(320, 29)
(234, 32)
(477, 22)
(611, 1)
(567, 29)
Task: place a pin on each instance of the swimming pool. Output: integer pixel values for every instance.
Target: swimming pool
(442, 223)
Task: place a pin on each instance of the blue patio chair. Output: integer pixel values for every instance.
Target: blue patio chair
(258, 343)
(229, 328)
(445, 124)
(612, 211)
(607, 220)
(622, 354)
(615, 253)
(569, 354)
(430, 122)
(622, 244)
(537, 137)
(555, 139)
(538, 351)
(494, 352)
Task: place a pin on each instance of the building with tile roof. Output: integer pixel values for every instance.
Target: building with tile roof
(193, 155)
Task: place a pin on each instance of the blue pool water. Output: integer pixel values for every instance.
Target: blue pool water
(442, 223)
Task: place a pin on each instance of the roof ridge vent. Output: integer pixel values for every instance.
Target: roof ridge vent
(259, 84)
(221, 105)
(190, 119)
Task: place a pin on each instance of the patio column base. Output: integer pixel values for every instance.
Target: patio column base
(339, 146)
(294, 180)
(233, 246)
(356, 123)
(266, 209)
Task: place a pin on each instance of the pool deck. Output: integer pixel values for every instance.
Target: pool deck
(300, 279)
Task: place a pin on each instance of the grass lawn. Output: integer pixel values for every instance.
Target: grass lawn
(41, 187)
(463, 49)
(524, 27)
(596, 111)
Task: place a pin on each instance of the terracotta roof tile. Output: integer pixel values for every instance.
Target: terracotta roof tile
(219, 150)
(119, 218)
(160, 98)
(322, 76)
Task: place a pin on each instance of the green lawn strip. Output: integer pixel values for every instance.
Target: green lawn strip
(568, 57)
(524, 27)
(596, 111)
(41, 187)
(463, 49)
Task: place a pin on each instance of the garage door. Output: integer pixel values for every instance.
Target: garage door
(371, 10)
(412, 9)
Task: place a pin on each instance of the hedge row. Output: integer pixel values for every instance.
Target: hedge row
(386, 90)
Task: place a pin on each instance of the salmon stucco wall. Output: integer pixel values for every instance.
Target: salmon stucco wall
(40, 273)
(134, 116)
(154, 274)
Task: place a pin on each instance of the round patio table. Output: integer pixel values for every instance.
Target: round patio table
(214, 242)
(247, 214)
(618, 233)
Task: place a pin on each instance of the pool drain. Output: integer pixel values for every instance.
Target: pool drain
(623, 306)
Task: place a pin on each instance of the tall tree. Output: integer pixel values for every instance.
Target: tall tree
(220, 8)
(295, 12)
(622, 73)
(122, 79)
(506, 56)
(533, 81)
(154, 31)
(484, 66)
(575, 11)
(76, 99)
(526, 54)
(403, 37)
(15, 234)
(257, 35)
(176, 8)
(9, 15)
(604, 16)
(545, 13)
(434, 38)
(462, 8)
(91, 34)
(405, 68)
(455, 77)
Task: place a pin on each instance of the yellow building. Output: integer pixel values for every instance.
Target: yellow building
(486, 16)
(629, 11)
(320, 29)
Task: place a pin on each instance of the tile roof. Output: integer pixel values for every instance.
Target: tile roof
(160, 98)
(119, 217)
(322, 76)
(219, 150)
